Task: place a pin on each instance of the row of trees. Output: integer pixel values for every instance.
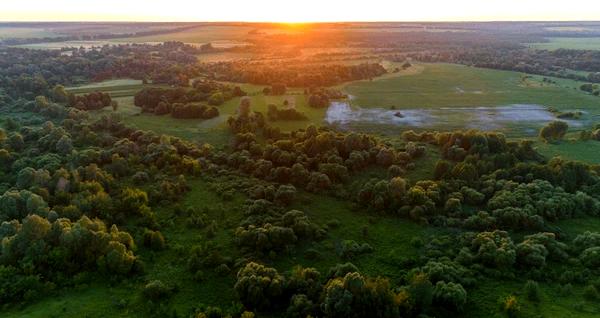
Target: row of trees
(294, 75)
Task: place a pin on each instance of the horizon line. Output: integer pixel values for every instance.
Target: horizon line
(294, 22)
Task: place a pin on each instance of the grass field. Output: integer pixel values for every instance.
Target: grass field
(23, 33)
(215, 130)
(201, 34)
(450, 85)
(429, 87)
(586, 151)
(568, 43)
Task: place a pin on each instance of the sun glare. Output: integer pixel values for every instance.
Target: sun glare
(296, 12)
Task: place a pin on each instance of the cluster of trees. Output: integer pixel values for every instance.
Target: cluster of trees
(344, 293)
(313, 159)
(554, 131)
(196, 102)
(295, 75)
(557, 63)
(63, 193)
(30, 73)
(508, 182)
(591, 88)
(46, 249)
(321, 97)
(268, 228)
(245, 122)
(275, 113)
(91, 101)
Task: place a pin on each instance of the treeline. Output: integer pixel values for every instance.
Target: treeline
(558, 63)
(296, 75)
(30, 73)
(199, 101)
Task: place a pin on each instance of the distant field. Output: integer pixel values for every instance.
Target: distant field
(21, 33)
(569, 43)
(201, 34)
(213, 130)
(448, 96)
(432, 89)
(450, 85)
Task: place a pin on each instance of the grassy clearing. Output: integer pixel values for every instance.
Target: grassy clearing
(568, 43)
(213, 131)
(200, 34)
(23, 33)
(449, 85)
(586, 151)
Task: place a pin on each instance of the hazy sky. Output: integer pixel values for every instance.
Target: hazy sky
(297, 10)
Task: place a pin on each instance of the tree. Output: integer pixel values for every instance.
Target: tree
(554, 131)
(450, 295)
(357, 296)
(278, 89)
(64, 145)
(259, 287)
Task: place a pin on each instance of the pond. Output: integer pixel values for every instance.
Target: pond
(526, 118)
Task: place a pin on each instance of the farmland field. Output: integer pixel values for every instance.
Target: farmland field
(569, 43)
(22, 32)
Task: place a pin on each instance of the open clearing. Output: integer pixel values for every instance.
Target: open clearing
(450, 85)
(427, 96)
(23, 33)
(568, 43)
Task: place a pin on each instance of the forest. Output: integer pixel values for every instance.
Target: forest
(281, 221)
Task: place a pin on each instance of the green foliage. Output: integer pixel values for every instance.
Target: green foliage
(450, 295)
(532, 290)
(154, 240)
(259, 287)
(554, 131)
(349, 249)
(510, 305)
(357, 296)
(157, 291)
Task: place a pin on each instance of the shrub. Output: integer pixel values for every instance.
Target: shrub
(554, 131)
(156, 290)
(591, 293)
(349, 249)
(154, 240)
(532, 290)
(259, 287)
(450, 295)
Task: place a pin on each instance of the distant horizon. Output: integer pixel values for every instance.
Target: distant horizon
(306, 11)
(308, 22)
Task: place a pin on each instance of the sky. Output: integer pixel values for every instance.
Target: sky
(298, 10)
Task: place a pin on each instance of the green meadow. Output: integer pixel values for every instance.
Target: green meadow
(582, 43)
(451, 85)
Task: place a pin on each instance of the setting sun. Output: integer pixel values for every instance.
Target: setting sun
(297, 11)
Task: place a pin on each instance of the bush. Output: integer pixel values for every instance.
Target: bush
(349, 249)
(591, 293)
(554, 131)
(340, 270)
(510, 306)
(450, 295)
(259, 287)
(154, 240)
(356, 296)
(532, 290)
(156, 290)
